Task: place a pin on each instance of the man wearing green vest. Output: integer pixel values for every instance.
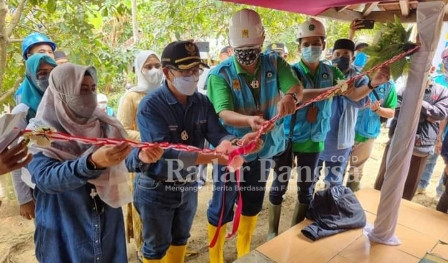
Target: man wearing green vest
(246, 90)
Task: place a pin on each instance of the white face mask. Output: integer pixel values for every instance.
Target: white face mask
(153, 76)
(186, 85)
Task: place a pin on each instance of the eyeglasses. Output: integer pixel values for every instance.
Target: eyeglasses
(196, 71)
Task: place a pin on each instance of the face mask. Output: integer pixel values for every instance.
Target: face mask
(311, 54)
(102, 105)
(42, 83)
(247, 56)
(186, 85)
(360, 60)
(153, 76)
(82, 105)
(343, 63)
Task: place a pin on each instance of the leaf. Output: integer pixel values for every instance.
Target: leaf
(51, 6)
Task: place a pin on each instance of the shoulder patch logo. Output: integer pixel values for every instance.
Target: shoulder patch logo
(236, 84)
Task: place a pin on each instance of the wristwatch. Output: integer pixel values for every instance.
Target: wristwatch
(294, 96)
(90, 164)
(370, 85)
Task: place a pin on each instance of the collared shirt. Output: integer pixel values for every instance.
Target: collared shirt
(162, 118)
(221, 95)
(71, 226)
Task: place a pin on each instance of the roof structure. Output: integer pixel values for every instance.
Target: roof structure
(381, 11)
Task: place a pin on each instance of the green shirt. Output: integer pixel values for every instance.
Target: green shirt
(221, 96)
(310, 146)
(390, 103)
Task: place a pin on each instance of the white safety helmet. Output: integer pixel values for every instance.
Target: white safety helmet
(100, 97)
(245, 29)
(311, 28)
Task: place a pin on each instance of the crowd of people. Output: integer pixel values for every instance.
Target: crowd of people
(75, 191)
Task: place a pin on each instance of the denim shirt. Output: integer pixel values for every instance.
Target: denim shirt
(162, 118)
(71, 226)
(342, 132)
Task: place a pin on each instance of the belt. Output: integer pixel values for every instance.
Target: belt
(177, 183)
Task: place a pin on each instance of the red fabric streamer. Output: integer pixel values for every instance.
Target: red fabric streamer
(241, 150)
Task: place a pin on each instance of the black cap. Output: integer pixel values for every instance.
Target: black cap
(59, 55)
(344, 43)
(181, 55)
(360, 45)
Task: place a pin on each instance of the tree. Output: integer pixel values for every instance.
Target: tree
(100, 32)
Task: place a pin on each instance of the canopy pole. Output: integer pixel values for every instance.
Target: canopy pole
(429, 24)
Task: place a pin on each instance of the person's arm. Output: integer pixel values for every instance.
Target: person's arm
(439, 110)
(127, 114)
(52, 176)
(354, 25)
(309, 94)
(381, 76)
(154, 128)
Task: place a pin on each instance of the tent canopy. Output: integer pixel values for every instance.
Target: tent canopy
(380, 11)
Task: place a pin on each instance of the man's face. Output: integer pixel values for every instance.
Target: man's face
(61, 61)
(342, 53)
(311, 41)
(41, 48)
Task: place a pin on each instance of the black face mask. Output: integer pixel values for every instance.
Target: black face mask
(42, 83)
(343, 63)
(247, 56)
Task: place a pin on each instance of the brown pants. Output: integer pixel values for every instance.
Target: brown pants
(415, 173)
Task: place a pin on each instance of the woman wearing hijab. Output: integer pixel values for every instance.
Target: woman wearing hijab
(38, 68)
(149, 76)
(80, 188)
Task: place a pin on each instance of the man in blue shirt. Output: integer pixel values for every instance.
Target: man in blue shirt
(165, 193)
(341, 137)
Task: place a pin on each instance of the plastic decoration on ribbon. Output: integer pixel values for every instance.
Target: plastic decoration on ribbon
(44, 136)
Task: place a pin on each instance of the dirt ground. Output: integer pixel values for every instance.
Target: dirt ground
(16, 234)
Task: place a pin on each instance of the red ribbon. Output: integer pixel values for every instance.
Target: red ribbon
(241, 150)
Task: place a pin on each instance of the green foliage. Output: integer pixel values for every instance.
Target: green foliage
(389, 42)
(94, 32)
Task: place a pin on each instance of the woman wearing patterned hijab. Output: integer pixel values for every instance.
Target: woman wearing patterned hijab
(80, 188)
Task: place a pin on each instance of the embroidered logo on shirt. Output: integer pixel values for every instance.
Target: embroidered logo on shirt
(236, 84)
(245, 33)
(172, 127)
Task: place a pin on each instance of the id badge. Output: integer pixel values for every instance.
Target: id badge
(311, 114)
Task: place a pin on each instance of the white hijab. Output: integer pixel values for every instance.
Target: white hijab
(142, 84)
(53, 112)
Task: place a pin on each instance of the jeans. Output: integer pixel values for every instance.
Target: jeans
(306, 166)
(335, 169)
(429, 169)
(167, 213)
(253, 179)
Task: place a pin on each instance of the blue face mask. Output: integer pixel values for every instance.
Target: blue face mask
(360, 60)
(311, 54)
(343, 63)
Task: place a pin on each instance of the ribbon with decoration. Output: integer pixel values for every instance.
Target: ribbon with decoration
(44, 136)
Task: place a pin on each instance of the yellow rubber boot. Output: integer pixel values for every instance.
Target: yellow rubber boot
(245, 232)
(216, 254)
(175, 254)
(162, 260)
